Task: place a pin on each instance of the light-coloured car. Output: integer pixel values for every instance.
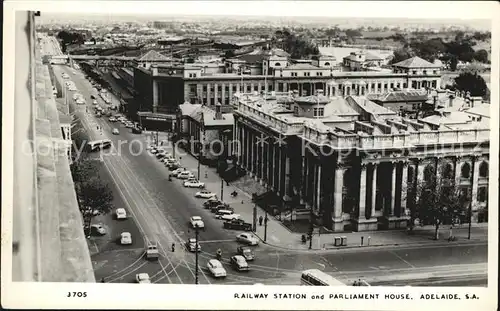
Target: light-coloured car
(98, 228)
(239, 263)
(193, 183)
(129, 125)
(112, 119)
(80, 101)
(94, 102)
(65, 76)
(247, 238)
(126, 238)
(121, 213)
(205, 194)
(229, 217)
(192, 246)
(142, 278)
(216, 269)
(196, 221)
(185, 175)
(176, 172)
(76, 96)
(116, 131)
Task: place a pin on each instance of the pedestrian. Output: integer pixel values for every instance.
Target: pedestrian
(227, 183)
(260, 220)
(173, 247)
(450, 237)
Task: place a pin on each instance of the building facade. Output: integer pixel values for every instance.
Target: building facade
(163, 87)
(354, 162)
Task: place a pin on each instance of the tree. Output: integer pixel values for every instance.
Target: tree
(453, 63)
(471, 82)
(436, 201)
(229, 54)
(400, 55)
(481, 56)
(95, 198)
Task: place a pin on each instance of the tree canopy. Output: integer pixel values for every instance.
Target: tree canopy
(471, 82)
(297, 46)
(400, 55)
(481, 56)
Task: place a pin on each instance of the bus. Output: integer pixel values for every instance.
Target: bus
(99, 144)
(315, 277)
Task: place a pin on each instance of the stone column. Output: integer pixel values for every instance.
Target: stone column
(304, 178)
(404, 189)
(262, 147)
(223, 98)
(318, 185)
(250, 154)
(458, 166)
(243, 150)
(374, 190)
(216, 93)
(280, 171)
(209, 94)
(362, 192)
(272, 168)
(475, 180)
(393, 188)
(285, 87)
(199, 93)
(287, 176)
(251, 87)
(155, 95)
(339, 185)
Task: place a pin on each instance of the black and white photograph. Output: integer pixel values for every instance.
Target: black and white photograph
(228, 144)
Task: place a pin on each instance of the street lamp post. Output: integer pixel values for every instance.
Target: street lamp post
(265, 227)
(222, 189)
(196, 230)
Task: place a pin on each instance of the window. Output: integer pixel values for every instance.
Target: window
(204, 88)
(234, 88)
(392, 85)
(249, 88)
(319, 73)
(404, 85)
(307, 74)
(447, 171)
(277, 64)
(327, 64)
(483, 169)
(425, 72)
(318, 112)
(379, 86)
(192, 88)
(219, 88)
(435, 72)
(414, 72)
(482, 194)
(293, 74)
(465, 172)
(227, 88)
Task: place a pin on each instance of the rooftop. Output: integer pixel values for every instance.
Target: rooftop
(416, 62)
(152, 56)
(399, 96)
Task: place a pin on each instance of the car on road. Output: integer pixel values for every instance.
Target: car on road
(193, 183)
(112, 119)
(152, 251)
(246, 252)
(204, 194)
(212, 202)
(229, 217)
(126, 238)
(149, 147)
(129, 125)
(142, 278)
(94, 102)
(196, 221)
(136, 130)
(173, 166)
(239, 263)
(224, 212)
(65, 76)
(153, 150)
(72, 88)
(185, 175)
(247, 238)
(76, 96)
(177, 171)
(237, 224)
(116, 131)
(192, 246)
(80, 101)
(97, 229)
(121, 213)
(223, 206)
(216, 269)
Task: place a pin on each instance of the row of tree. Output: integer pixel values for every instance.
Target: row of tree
(297, 46)
(70, 37)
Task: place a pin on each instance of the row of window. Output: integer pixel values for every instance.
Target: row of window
(306, 74)
(448, 173)
(193, 88)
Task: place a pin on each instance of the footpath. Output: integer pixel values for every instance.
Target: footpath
(278, 235)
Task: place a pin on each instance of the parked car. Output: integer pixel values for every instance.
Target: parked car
(216, 269)
(223, 212)
(237, 224)
(129, 125)
(126, 238)
(97, 229)
(205, 194)
(177, 171)
(142, 278)
(223, 206)
(112, 119)
(185, 175)
(116, 131)
(196, 221)
(246, 252)
(136, 130)
(121, 213)
(239, 263)
(247, 238)
(212, 202)
(94, 102)
(192, 246)
(193, 183)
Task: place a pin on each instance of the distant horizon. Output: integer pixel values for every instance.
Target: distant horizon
(354, 21)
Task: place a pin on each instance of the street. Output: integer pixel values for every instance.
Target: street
(161, 209)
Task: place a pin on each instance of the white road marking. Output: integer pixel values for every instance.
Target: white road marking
(402, 259)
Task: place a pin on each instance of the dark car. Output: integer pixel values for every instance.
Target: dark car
(239, 263)
(136, 130)
(224, 206)
(246, 252)
(237, 224)
(211, 202)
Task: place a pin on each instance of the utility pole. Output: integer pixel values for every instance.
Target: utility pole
(222, 189)
(196, 230)
(254, 217)
(199, 159)
(311, 228)
(471, 194)
(265, 227)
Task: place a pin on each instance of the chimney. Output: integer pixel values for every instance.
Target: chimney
(218, 111)
(451, 101)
